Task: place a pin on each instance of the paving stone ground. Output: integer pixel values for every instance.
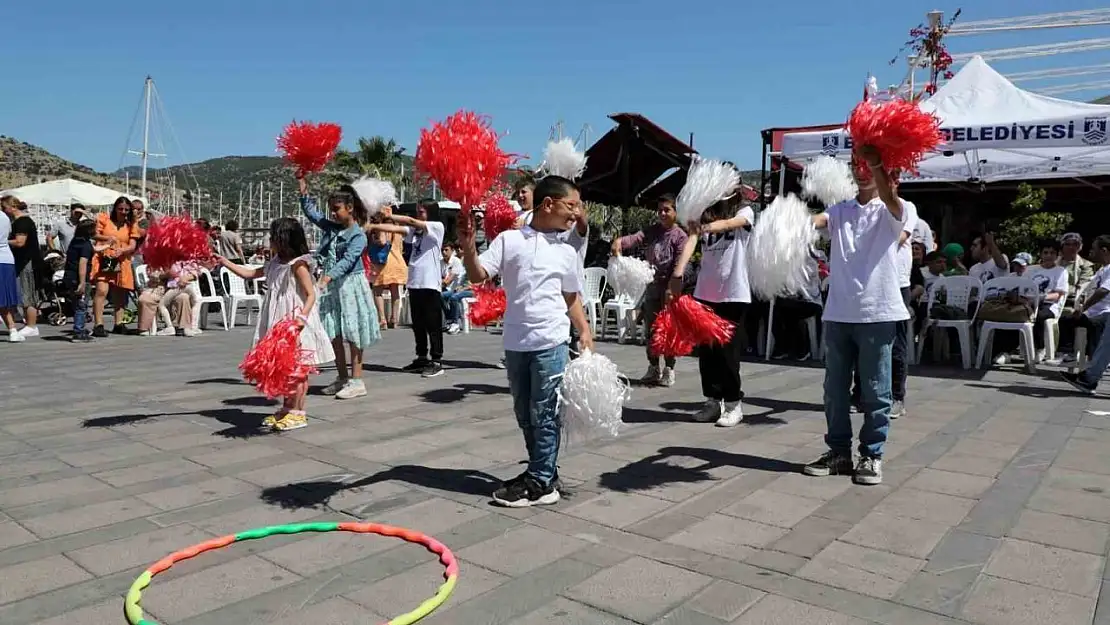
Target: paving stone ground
(995, 508)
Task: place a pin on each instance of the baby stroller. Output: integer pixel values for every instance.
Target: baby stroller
(53, 304)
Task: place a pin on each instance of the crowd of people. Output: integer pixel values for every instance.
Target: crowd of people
(874, 277)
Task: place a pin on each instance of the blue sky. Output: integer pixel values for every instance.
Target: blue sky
(233, 72)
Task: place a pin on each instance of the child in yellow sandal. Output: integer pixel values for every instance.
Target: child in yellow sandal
(290, 291)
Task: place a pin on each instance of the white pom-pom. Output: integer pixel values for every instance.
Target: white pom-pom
(829, 181)
(375, 194)
(629, 276)
(707, 183)
(560, 158)
(779, 261)
(592, 396)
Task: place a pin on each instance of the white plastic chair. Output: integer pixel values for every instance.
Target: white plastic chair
(201, 302)
(404, 314)
(960, 292)
(466, 302)
(766, 330)
(591, 294)
(236, 294)
(1026, 289)
(142, 278)
(624, 307)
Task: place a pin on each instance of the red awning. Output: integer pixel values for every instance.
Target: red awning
(637, 147)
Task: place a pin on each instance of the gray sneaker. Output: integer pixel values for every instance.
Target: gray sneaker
(335, 386)
(830, 463)
(898, 409)
(869, 471)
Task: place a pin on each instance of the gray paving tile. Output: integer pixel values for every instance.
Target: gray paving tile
(37, 577)
(996, 601)
(776, 610)
(1049, 567)
(639, 589)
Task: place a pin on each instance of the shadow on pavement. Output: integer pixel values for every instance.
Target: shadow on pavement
(317, 494)
(655, 471)
(459, 392)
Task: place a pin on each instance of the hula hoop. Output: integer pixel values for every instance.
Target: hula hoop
(134, 611)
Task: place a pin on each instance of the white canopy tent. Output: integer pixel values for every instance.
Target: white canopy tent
(65, 192)
(994, 131)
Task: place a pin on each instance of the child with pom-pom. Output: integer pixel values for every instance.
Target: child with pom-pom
(347, 303)
(539, 272)
(722, 284)
(664, 242)
(290, 293)
(861, 316)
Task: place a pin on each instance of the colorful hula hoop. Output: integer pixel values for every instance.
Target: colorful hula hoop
(134, 612)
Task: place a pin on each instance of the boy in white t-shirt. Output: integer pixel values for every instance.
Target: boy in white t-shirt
(1094, 314)
(425, 236)
(861, 316)
(990, 262)
(1052, 281)
(540, 275)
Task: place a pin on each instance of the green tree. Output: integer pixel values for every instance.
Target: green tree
(376, 156)
(1028, 224)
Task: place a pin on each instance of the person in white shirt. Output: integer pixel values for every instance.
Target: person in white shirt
(454, 291)
(862, 314)
(1020, 263)
(1052, 282)
(990, 262)
(539, 272)
(722, 285)
(425, 234)
(1093, 311)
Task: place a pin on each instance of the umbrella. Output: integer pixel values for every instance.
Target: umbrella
(65, 192)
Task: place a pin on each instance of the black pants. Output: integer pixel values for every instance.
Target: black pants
(426, 308)
(899, 358)
(1095, 327)
(719, 365)
(789, 328)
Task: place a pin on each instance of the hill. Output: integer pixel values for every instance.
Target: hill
(22, 163)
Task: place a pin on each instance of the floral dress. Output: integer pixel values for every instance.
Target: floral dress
(347, 305)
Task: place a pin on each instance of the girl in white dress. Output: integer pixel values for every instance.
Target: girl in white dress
(291, 293)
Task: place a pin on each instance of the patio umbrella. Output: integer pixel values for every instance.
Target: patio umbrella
(65, 192)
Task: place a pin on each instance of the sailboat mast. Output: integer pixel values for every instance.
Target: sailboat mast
(146, 132)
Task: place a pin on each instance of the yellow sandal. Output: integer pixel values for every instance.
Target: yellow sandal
(291, 421)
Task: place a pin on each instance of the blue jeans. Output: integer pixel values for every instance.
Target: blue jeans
(865, 347)
(534, 385)
(80, 311)
(452, 304)
(1100, 360)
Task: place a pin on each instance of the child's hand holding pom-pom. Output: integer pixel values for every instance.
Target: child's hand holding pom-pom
(592, 396)
(275, 364)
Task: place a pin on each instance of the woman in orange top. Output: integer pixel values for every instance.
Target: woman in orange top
(391, 276)
(111, 269)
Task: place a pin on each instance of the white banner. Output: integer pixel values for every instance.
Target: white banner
(1059, 133)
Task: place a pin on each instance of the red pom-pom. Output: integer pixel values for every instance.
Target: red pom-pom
(499, 216)
(686, 323)
(901, 132)
(309, 146)
(275, 365)
(461, 154)
(489, 305)
(172, 239)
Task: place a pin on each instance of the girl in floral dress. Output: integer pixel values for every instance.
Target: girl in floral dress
(347, 303)
(290, 293)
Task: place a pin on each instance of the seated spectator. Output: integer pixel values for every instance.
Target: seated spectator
(935, 267)
(168, 290)
(454, 289)
(953, 259)
(1019, 264)
(1052, 282)
(1092, 308)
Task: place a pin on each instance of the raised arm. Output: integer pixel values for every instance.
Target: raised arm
(390, 228)
(996, 254)
(313, 214)
(883, 186)
(688, 249)
(246, 273)
(411, 222)
(622, 243)
(724, 225)
(474, 270)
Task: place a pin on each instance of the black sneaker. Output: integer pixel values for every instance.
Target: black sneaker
(523, 492)
(415, 366)
(179, 332)
(99, 332)
(80, 338)
(1081, 385)
(869, 471)
(432, 370)
(830, 463)
(119, 329)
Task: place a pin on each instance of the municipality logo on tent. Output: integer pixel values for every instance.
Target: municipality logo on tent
(1094, 130)
(830, 144)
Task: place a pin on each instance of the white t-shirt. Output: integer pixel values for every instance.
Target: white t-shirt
(457, 270)
(863, 264)
(1053, 279)
(579, 243)
(905, 251)
(930, 279)
(723, 275)
(6, 257)
(989, 270)
(536, 269)
(1100, 281)
(426, 261)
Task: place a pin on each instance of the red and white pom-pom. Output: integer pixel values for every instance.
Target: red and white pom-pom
(462, 155)
(499, 216)
(686, 323)
(275, 365)
(901, 131)
(489, 305)
(174, 239)
(309, 146)
(591, 398)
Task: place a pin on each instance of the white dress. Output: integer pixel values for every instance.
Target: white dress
(283, 300)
